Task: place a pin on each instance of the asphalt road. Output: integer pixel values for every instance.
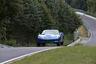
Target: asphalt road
(9, 53)
(90, 23)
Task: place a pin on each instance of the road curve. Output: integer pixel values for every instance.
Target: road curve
(10, 53)
(90, 23)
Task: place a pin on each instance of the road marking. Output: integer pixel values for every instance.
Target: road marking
(85, 15)
(77, 41)
(23, 56)
(20, 57)
(74, 43)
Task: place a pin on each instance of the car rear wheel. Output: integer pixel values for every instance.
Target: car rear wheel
(43, 44)
(38, 44)
(61, 40)
(58, 44)
(61, 43)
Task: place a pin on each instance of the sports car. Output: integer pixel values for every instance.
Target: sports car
(51, 35)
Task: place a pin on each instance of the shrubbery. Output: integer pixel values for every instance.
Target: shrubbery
(86, 5)
(38, 15)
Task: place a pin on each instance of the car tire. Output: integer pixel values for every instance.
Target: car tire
(58, 44)
(38, 44)
(62, 43)
(43, 44)
(62, 39)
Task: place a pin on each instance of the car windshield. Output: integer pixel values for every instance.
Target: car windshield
(55, 32)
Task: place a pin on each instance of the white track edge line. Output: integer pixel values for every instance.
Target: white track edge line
(80, 13)
(41, 50)
(23, 56)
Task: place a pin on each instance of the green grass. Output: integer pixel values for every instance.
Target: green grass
(65, 55)
(68, 38)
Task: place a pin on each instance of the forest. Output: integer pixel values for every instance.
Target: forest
(88, 6)
(22, 20)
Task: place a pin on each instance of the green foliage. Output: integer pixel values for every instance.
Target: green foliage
(8, 9)
(9, 42)
(91, 7)
(68, 38)
(64, 16)
(37, 15)
(86, 5)
(78, 4)
(30, 23)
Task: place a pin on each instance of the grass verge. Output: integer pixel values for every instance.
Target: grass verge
(65, 55)
(68, 39)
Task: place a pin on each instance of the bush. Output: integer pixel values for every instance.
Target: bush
(68, 39)
(39, 15)
(9, 42)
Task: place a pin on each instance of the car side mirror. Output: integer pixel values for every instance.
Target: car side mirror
(61, 33)
(42, 34)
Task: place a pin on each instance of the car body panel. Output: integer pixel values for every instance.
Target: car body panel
(53, 36)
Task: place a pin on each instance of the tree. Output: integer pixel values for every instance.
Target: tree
(66, 20)
(78, 4)
(39, 15)
(25, 27)
(91, 7)
(8, 9)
